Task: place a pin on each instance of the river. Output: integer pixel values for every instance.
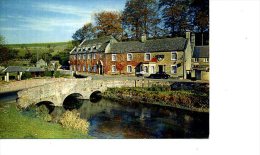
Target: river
(109, 119)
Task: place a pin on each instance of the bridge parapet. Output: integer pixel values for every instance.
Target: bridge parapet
(56, 92)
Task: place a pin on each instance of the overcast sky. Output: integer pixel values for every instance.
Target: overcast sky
(32, 21)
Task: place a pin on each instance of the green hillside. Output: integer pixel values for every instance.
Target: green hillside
(52, 48)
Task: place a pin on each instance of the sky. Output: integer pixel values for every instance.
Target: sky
(38, 21)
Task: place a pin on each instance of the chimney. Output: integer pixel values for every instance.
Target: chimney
(192, 40)
(188, 34)
(143, 38)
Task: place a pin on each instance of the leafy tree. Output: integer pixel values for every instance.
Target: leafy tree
(109, 23)
(86, 32)
(140, 17)
(174, 14)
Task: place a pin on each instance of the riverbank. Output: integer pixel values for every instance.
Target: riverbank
(192, 100)
(13, 124)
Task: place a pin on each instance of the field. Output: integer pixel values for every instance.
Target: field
(52, 48)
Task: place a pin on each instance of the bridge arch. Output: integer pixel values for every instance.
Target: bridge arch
(72, 101)
(95, 96)
(48, 104)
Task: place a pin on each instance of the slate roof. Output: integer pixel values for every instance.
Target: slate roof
(14, 69)
(201, 52)
(156, 45)
(100, 44)
(35, 69)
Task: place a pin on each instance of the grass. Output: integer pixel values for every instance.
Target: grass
(193, 100)
(13, 124)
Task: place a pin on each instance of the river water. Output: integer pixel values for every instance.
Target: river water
(109, 119)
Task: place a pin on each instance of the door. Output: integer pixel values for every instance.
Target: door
(160, 68)
(198, 74)
(100, 69)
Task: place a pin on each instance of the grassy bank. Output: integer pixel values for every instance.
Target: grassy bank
(182, 99)
(13, 124)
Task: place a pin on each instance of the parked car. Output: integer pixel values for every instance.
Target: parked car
(159, 75)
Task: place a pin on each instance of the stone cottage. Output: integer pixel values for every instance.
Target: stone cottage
(200, 63)
(108, 56)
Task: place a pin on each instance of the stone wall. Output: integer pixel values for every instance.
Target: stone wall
(19, 85)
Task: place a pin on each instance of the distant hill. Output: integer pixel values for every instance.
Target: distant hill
(52, 48)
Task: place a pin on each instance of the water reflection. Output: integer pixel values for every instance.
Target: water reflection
(110, 119)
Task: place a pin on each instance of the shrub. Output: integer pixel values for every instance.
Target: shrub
(48, 73)
(72, 120)
(42, 112)
(26, 75)
(57, 74)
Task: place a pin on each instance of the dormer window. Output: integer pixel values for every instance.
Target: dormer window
(129, 56)
(113, 57)
(174, 55)
(147, 56)
(94, 47)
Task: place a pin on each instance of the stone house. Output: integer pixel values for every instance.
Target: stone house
(148, 57)
(108, 56)
(89, 56)
(200, 63)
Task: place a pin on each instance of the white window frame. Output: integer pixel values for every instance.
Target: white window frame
(113, 57)
(145, 56)
(206, 59)
(113, 71)
(84, 56)
(152, 70)
(128, 69)
(196, 59)
(128, 58)
(174, 52)
(172, 71)
(94, 55)
(79, 56)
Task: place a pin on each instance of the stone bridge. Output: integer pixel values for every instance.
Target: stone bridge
(57, 92)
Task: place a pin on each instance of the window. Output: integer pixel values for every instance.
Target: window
(152, 69)
(78, 67)
(196, 59)
(79, 57)
(94, 55)
(129, 56)
(147, 56)
(174, 56)
(84, 68)
(113, 68)
(173, 69)
(84, 56)
(95, 68)
(113, 57)
(129, 69)
(206, 60)
(89, 68)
